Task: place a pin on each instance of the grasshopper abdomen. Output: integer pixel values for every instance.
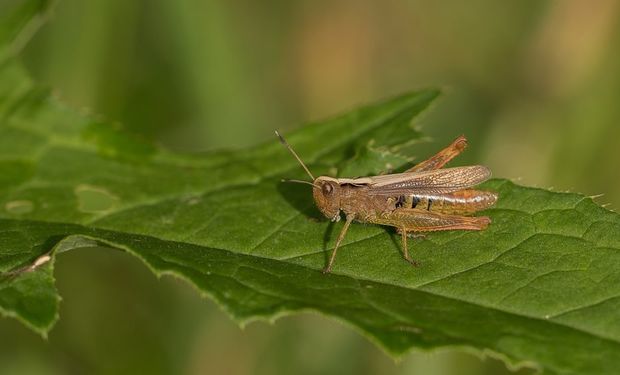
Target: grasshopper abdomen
(459, 202)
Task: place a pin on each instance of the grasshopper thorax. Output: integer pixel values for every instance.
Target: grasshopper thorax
(326, 192)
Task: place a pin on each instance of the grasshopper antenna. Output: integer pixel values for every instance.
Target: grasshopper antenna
(300, 182)
(283, 141)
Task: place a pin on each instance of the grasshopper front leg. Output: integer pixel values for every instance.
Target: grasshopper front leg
(343, 232)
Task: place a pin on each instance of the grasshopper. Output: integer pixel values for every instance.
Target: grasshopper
(423, 198)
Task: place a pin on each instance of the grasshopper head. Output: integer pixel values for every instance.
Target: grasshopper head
(326, 192)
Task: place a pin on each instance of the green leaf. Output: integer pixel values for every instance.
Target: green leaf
(17, 20)
(541, 285)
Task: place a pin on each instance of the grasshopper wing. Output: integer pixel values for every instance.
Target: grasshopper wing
(438, 181)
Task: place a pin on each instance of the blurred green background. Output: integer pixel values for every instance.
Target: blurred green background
(535, 85)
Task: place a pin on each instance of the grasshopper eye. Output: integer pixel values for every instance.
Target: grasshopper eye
(327, 189)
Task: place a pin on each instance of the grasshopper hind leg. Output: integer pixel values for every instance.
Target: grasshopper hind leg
(407, 220)
(404, 235)
(442, 157)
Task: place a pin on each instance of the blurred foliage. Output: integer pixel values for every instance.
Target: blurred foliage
(533, 84)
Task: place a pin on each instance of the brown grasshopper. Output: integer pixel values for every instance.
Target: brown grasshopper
(424, 198)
